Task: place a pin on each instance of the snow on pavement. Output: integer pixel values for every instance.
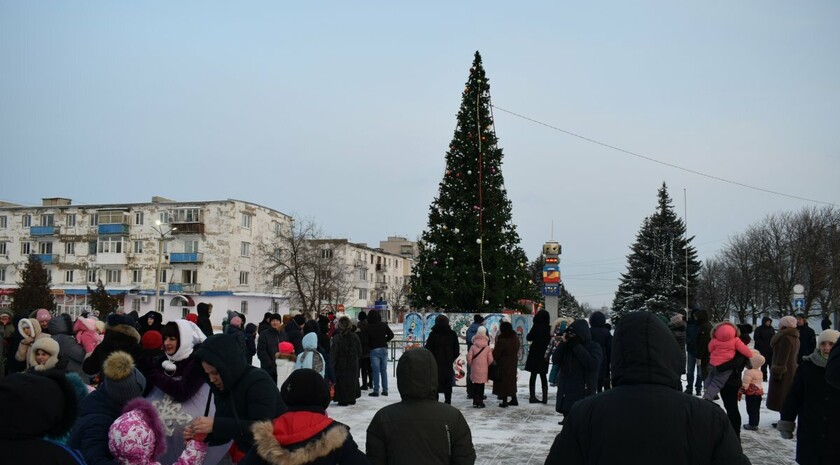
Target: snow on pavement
(524, 434)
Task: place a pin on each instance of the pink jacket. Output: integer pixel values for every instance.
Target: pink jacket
(479, 363)
(724, 343)
(137, 437)
(86, 335)
(753, 375)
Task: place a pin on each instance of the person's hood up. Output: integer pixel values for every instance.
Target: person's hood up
(644, 351)
(37, 405)
(725, 331)
(757, 360)
(84, 324)
(417, 375)
(701, 316)
(138, 435)
(250, 329)
(765, 320)
(292, 327)
(32, 324)
(223, 352)
(61, 324)
(156, 316)
(7, 311)
(189, 336)
(374, 317)
(48, 345)
(480, 340)
(271, 438)
(203, 310)
(597, 319)
(310, 341)
(581, 328)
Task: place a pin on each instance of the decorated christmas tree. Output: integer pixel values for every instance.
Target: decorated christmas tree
(656, 267)
(469, 255)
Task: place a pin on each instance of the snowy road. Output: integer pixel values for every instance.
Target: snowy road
(524, 434)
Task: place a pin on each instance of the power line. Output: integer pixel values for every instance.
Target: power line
(671, 165)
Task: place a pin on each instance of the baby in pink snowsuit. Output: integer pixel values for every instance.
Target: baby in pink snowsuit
(86, 333)
(722, 348)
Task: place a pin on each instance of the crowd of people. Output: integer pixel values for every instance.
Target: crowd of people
(141, 390)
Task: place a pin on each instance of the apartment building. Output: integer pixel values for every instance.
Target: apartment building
(165, 253)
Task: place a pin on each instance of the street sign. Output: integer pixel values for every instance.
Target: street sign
(799, 303)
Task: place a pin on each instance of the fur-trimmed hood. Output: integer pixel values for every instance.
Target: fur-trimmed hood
(137, 436)
(124, 330)
(84, 324)
(297, 438)
(48, 345)
(33, 325)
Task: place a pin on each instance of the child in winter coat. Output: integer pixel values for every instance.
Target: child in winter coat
(310, 357)
(722, 348)
(479, 359)
(43, 355)
(87, 334)
(285, 361)
(752, 387)
(137, 438)
(30, 330)
(557, 330)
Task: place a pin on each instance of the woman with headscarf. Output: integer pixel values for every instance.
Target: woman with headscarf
(443, 344)
(506, 355)
(345, 352)
(176, 387)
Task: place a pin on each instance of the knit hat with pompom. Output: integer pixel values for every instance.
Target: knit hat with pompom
(123, 382)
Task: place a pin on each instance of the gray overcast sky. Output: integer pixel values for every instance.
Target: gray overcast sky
(342, 112)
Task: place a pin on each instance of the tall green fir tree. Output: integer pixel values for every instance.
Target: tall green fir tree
(103, 302)
(469, 255)
(656, 266)
(33, 291)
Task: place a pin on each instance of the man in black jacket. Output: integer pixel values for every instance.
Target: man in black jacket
(267, 346)
(647, 417)
(243, 395)
(419, 430)
(807, 338)
(704, 336)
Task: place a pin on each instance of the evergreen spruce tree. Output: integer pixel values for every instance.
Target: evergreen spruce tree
(101, 301)
(469, 255)
(33, 290)
(656, 267)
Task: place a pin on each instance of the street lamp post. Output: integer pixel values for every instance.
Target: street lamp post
(163, 230)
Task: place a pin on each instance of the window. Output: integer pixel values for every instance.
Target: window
(110, 244)
(243, 278)
(362, 274)
(45, 247)
(138, 247)
(243, 307)
(138, 218)
(92, 276)
(112, 217)
(276, 228)
(277, 280)
(164, 217)
(362, 294)
(191, 246)
(92, 248)
(4, 222)
(246, 221)
(277, 253)
(71, 219)
(4, 248)
(163, 276)
(135, 305)
(245, 249)
(2, 275)
(48, 220)
(94, 219)
(160, 305)
(186, 215)
(189, 276)
(70, 248)
(25, 248)
(327, 253)
(113, 276)
(137, 275)
(27, 221)
(68, 276)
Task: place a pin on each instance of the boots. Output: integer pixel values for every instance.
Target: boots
(544, 390)
(513, 402)
(533, 398)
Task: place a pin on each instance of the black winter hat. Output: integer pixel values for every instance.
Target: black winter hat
(478, 318)
(305, 389)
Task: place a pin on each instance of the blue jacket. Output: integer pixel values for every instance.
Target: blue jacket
(472, 330)
(97, 412)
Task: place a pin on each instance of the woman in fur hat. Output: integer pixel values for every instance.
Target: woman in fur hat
(44, 355)
(120, 335)
(816, 405)
(137, 437)
(785, 345)
(345, 352)
(305, 434)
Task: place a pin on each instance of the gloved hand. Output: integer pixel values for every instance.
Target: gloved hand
(786, 429)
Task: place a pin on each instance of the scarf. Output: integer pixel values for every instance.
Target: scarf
(816, 358)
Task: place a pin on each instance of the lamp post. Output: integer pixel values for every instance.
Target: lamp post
(163, 230)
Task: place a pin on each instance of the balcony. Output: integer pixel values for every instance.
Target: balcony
(187, 228)
(194, 257)
(47, 258)
(36, 231)
(109, 258)
(359, 264)
(184, 288)
(115, 229)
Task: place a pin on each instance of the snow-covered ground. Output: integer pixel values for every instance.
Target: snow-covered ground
(524, 434)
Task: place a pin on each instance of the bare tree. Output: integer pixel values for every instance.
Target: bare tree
(305, 264)
(713, 289)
